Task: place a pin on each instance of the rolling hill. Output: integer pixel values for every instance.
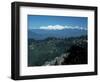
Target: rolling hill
(41, 34)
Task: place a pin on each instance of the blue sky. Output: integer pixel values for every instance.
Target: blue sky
(55, 22)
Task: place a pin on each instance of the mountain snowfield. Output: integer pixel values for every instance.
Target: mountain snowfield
(60, 27)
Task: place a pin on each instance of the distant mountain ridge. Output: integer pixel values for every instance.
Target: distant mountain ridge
(40, 34)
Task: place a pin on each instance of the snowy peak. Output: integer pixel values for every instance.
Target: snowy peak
(60, 27)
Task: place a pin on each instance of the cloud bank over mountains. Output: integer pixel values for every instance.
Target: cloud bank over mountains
(61, 27)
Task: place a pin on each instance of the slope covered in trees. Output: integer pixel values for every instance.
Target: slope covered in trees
(55, 51)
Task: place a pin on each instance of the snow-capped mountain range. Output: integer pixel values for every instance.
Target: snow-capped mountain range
(43, 33)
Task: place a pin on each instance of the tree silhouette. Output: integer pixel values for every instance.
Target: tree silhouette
(78, 55)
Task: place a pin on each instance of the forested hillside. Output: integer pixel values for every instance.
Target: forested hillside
(55, 51)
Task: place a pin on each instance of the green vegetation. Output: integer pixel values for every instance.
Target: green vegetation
(46, 52)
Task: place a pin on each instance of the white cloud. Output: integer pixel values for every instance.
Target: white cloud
(60, 27)
(51, 27)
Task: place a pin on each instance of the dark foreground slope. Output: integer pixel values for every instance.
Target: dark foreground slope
(76, 54)
(54, 51)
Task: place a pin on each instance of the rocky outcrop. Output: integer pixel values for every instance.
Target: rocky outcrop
(58, 60)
